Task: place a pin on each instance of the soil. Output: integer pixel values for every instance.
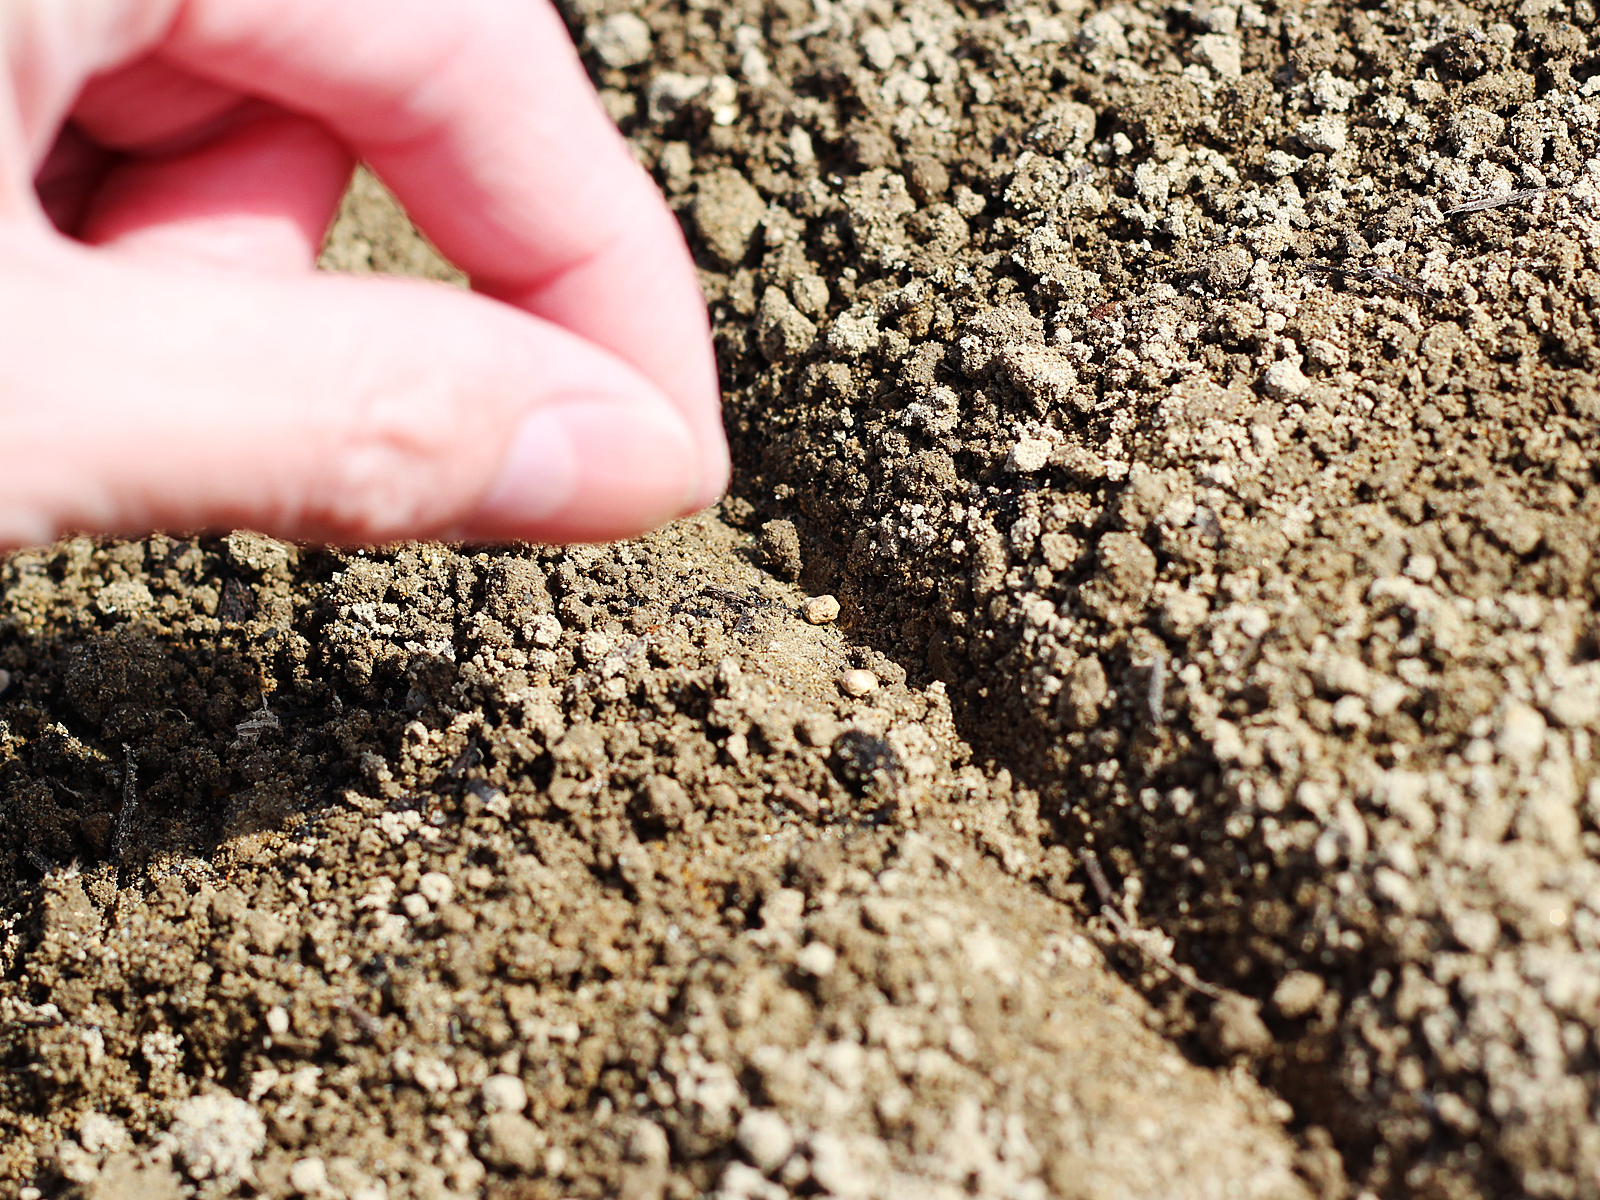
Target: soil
(1192, 408)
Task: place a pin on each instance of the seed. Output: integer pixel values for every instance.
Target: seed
(858, 683)
(822, 610)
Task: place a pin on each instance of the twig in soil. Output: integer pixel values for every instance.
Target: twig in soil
(1472, 206)
(1133, 936)
(1156, 696)
(364, 1021)
(130, 803)
(1371, 275)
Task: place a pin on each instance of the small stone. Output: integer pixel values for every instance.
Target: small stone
(741, 1181)
(75, 1164)
(1105, 34)
(1477, 931)
(822, 610)
(125, 597)
(277, 1021)
(858, 682)
(309, 1176)
(1324, 355)
(5, 679)
(1285, 381)
(1066, 128)
(436, 888)
(1422, 567)
(817, 959)
(621, 41)
(766, 1138)
(1297, 994)
(504, 1093)
(843, 1168)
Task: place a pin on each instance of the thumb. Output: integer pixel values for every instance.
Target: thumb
(315, 407)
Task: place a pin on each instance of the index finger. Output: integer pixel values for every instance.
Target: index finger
(480, 117)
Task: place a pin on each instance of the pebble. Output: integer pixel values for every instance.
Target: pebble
(817, 959)
(621, 41)
(820, 610)
(858, 683)
(504, 1093)
(766, 1138)
(309, 1176)
(1297, 994)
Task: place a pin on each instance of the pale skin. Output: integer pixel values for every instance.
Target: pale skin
(170, 358)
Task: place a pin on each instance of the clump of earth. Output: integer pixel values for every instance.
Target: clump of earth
(1192, 791)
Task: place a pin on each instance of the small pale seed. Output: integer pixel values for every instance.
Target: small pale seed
(858, 683)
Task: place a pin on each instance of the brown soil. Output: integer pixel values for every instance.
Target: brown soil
(1192, 408)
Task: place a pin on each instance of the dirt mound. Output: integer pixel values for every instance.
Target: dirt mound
(534, 873)
(1207, 394)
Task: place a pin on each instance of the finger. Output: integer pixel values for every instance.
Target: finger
(69, 177)
(325, 407)
(479, 115)
(150, 107)
(261, 195)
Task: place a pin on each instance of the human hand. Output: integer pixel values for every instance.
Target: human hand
(169, 357)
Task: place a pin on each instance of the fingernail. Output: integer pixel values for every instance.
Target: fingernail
(592, 469)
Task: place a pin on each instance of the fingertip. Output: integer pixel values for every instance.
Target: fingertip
(716, 469)
(586, 468)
